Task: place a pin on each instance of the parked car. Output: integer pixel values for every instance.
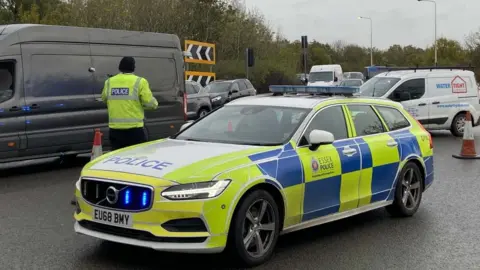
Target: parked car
(198, 101)
(353, 75)
(223, 91)
(51, 81)
(352, 82)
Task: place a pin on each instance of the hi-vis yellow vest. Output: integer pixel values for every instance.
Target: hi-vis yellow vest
(127, 96)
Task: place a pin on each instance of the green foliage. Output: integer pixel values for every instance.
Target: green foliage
(225, 23)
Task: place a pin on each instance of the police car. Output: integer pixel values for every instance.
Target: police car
(256, 168)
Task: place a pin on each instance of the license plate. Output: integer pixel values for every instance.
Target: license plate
(112, 217)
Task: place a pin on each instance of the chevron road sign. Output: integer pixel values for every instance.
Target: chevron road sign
(202, 78)
(201, 52)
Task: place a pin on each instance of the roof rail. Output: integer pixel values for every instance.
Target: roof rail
(314, 90)
(469, 67)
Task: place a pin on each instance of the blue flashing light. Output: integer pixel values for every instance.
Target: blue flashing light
(127, 197)
(319, 90)
(2, 110)
(144, 198)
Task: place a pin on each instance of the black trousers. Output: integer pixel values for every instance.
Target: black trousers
(120, 138)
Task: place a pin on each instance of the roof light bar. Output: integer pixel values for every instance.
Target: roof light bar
(318, 90)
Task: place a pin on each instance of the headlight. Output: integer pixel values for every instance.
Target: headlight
(216, 98)
(77, 184)
(196, 191)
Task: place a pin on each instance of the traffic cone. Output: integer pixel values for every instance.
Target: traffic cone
(468, 145)
(97, 145)
(230, 128)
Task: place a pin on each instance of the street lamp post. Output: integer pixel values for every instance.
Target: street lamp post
(435, 9)
(371, 37)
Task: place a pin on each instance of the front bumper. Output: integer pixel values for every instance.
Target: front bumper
(148, 230)
(168, 246)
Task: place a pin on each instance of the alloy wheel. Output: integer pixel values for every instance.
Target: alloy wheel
(411, 189)
(259, 228)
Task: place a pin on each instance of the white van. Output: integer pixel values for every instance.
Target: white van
(325, 75)
(437, 98)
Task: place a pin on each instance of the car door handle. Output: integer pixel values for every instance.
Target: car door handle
(34, 106)
(349, 151)
(422, 104)
(99, 99)
(15, 109)
(392, 143)
(436, 102)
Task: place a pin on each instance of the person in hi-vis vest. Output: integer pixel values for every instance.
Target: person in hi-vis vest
(127, 96)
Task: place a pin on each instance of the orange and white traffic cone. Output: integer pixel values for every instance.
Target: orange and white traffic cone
(97, 145)
(468, 145)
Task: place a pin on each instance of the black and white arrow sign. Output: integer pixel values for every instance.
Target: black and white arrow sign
(202, 53)
(203, 78)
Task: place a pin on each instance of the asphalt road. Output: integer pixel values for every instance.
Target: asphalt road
(36, 227)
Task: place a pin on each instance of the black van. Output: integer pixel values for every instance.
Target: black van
(51, 79)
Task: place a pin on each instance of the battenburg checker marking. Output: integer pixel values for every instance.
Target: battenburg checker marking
(201, 52)
(203, 78)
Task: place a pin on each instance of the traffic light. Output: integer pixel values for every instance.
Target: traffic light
(250, 57)
(304, 42)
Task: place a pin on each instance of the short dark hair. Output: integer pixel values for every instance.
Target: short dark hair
(127, 64)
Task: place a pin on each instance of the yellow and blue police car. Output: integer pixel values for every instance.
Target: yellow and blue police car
(255, 168)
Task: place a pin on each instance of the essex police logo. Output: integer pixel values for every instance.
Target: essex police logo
(315, 165)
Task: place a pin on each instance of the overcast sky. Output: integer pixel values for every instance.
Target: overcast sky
(394, 21)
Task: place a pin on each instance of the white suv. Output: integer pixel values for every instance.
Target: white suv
(437, 97)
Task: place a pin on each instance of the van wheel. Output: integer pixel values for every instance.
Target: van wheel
(408, 192)
(202, 112)
(458, 125)
(255, 229)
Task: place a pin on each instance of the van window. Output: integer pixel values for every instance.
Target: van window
(321, 76)
(378, 86)
(393, 118)
(160, 73)
(365, 119)
(59, 75)
(7, 82)
(409, 90)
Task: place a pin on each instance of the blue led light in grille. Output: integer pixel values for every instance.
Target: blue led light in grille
(144, 199)
(127, 197)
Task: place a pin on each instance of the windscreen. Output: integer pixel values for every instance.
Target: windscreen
(354, 75)
(321, 76)
(354, 83)
(219, 87)
(377, 86)
(246, 124)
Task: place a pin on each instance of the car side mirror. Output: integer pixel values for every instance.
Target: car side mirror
(335, 79)
(234, 90)
(186, 125)
(320, 137)
(402, 96)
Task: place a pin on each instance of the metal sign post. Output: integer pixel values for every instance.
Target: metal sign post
(305, 54)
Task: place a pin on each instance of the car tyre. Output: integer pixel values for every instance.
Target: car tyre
(458, 125)
(408, 192)
(202, 112)
(255, 229)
